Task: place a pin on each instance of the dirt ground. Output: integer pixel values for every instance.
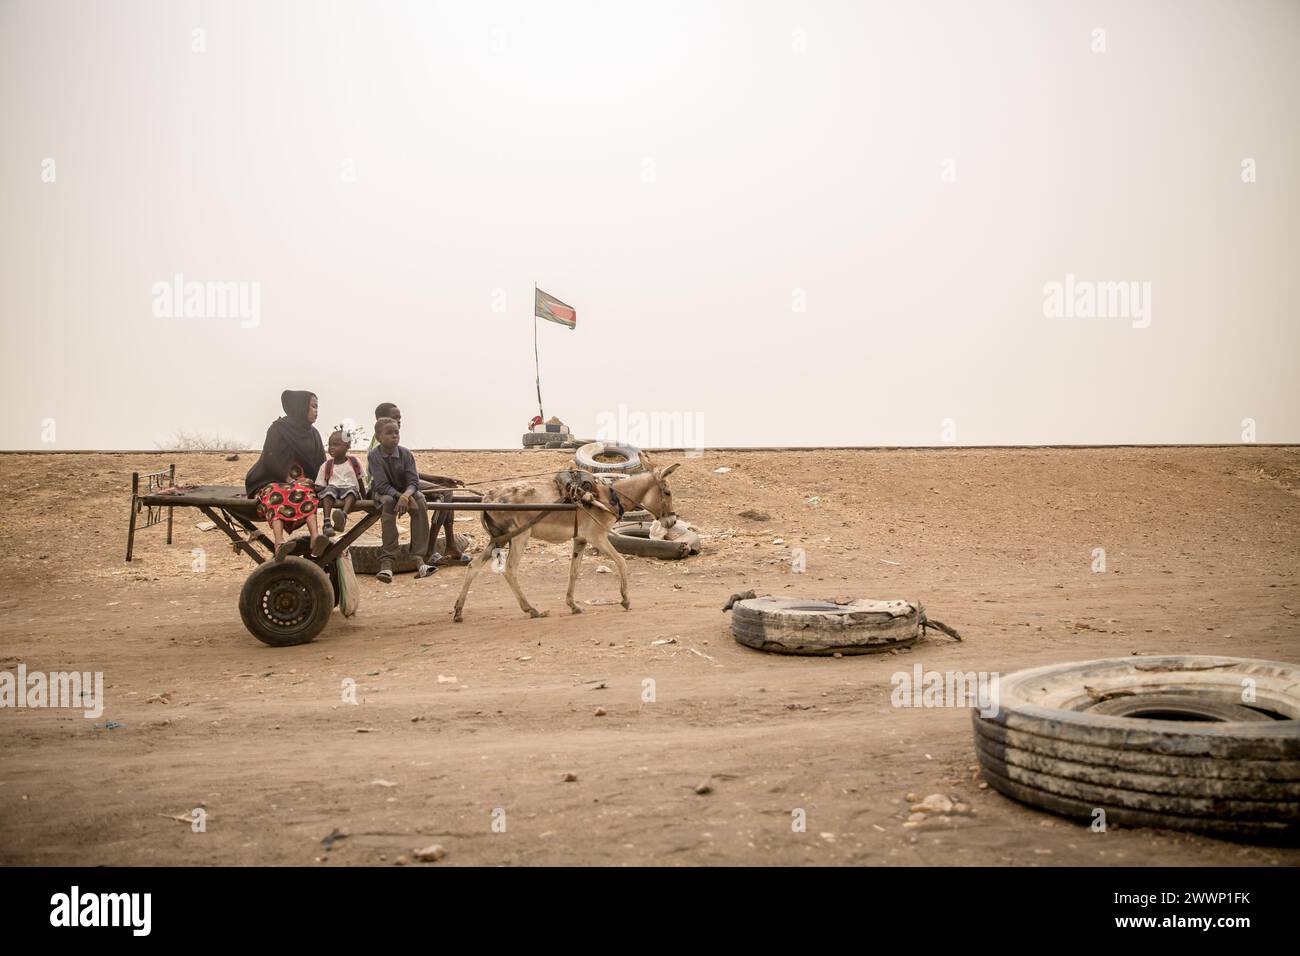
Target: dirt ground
(460, 729)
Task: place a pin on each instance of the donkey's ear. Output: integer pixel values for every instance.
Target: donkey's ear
(670, 469)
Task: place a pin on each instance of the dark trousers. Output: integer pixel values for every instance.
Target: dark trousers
(439, 518)
(419, 512)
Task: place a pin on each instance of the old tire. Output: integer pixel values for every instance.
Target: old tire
(286, 602)
(1053, 744)
(366, 558)
(643, 529)
(634, 539)
(818, 628)
(619, 459)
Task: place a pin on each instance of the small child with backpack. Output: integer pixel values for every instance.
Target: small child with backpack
(339, 480)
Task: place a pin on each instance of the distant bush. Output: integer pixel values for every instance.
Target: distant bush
(197, 441)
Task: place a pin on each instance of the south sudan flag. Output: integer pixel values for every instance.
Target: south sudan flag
(553, 310)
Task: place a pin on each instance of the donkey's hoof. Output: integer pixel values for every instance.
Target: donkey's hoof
(575, 609)
(457, 619)
(533, 612)
(627, 605)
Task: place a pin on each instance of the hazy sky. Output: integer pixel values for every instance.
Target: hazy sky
(793, 222)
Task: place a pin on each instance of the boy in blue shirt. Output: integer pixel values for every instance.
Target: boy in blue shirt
(395, 488)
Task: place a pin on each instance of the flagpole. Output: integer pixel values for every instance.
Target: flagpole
(537, 365)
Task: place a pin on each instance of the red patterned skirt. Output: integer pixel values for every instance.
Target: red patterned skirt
(291, 502)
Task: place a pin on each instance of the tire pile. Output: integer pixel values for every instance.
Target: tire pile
(551, 434)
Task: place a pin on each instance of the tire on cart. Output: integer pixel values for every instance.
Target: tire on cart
(286, 602)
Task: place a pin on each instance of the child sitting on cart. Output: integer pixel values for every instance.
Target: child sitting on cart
(442, 518)
(395, 488)
(339, 480)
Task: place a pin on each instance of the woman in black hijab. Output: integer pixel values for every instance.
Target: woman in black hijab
(281, 480)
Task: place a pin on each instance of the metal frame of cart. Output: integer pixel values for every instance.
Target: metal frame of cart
(282, 602)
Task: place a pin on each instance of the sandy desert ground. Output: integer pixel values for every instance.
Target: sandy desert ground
(1203, 556)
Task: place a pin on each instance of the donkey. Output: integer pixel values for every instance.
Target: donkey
(588, 525)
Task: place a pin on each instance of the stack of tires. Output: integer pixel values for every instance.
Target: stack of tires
(552, 434)
(1208, 744)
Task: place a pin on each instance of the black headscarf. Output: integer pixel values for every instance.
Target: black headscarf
(290, 439)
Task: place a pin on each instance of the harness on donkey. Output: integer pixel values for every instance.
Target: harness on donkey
(574, 485)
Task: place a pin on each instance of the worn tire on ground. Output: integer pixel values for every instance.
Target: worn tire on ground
(629, 463)
(286, 602)
(794, 626)
(1053, 743)
(632, 525)
(634, 539)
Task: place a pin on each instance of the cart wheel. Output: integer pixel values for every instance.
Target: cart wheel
(286, 602)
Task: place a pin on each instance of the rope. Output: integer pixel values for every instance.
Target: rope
(489, 481)
(500, 538)
(939, 626)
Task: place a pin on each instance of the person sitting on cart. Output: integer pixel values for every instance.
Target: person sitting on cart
(395, 488)
(382, 410)
(444, 519)
(339, 480)
(292, 449)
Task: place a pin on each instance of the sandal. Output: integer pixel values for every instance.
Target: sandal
(424, 570)
(319, 545)
(385, 576)
(460, 560)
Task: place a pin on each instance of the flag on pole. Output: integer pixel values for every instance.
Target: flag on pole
(553, 310)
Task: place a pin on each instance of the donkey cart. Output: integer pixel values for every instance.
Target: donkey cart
(283, 602)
